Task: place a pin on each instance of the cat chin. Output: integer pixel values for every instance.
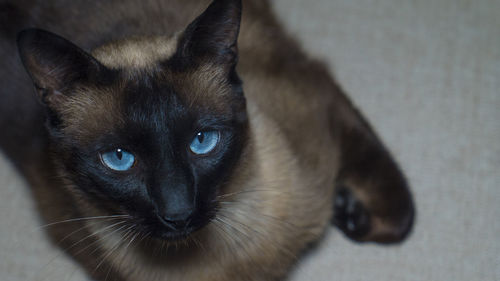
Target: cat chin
(169, 237)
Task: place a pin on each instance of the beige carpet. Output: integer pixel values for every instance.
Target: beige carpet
(427, 75)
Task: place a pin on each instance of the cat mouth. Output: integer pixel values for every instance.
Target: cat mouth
(172, 236)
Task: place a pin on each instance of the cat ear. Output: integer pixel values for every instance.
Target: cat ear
(213, 35)
(54, 63)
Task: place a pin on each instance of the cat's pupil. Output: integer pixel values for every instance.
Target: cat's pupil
(201, 137)
(119, 154)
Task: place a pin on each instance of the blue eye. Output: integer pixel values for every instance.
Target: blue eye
(118, 159)
(204, 142)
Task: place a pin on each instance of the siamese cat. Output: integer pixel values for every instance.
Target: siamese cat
(186, 140)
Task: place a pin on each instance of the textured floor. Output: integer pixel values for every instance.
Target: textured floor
(427, 75)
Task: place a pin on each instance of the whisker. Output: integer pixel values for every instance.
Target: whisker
(241, 246)
(126, 236)
(82, 219)
(122, 259)
(220, 218)
(144, 237)
(76, 243)
(262, 235)
(81, 228)
(274, 186)
(243, 225)
(113, 249)
(97, 240)
(259, 214)
(198, 243)
(276, 192)
(131, 240)
(224, 235)
(249, 190)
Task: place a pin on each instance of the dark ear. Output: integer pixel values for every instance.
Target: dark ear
(213, 35)
(54, 63)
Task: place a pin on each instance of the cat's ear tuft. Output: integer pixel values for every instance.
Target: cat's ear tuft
(213, 35)
(54, 63)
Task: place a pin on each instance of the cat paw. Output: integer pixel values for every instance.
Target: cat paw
(350, 215)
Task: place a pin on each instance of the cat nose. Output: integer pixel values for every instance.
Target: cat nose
(176, 221)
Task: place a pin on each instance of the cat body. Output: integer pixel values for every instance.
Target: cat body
(296, 154)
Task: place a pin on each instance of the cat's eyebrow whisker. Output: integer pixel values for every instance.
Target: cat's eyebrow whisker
(82, 219)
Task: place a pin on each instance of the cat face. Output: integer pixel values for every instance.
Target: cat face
(150, 128)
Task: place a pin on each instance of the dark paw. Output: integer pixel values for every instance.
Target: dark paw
(350, 215)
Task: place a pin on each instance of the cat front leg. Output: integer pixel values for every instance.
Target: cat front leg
(372, 199)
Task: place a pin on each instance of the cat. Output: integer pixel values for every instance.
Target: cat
(183, 148)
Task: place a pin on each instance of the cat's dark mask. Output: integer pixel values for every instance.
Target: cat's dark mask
(141, 130)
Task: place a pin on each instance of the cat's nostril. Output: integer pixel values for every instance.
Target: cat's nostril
(173, 225)
(175, 222)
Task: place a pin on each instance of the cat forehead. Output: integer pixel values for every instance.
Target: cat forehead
(136, 53)
(91, 111)
(205, 84)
